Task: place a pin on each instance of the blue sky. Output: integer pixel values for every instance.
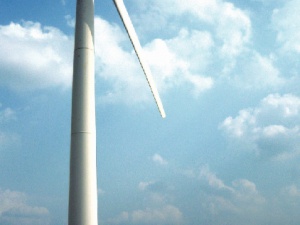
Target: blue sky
(228, 74)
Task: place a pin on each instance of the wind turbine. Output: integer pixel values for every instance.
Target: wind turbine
(83, 173)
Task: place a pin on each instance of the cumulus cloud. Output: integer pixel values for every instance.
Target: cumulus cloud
(193, 56)
(271, 129)
(182, 60)
(233, 28)
(172, 62)
(144, 185)
(257, 72)
(245, 191)
(34, 57)
(217, 43)
(240, 196)
(286, 21)
(15, 210)
(159, 159)
(181, 56)
(159, 210)
(231, 25)
(118, 67)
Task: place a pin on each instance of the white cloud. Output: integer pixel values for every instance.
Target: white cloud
(231, 26)
(204, 41)
(212, 179)
(157, 194)
(183, 57)
(70, 21)
(159, 159)
(7, 115)
(268, 2)
(7, 138)
(182, 60)
(118, 67)
(158, 211)
(237, 127)
(42, 56)
(287, 105)
(34, 57)
(144, 185)
(165, 215)
(245, 191)
(192, 56)
(292, 191)
(240, 197)
(286, 21)
(14, 210)
(271, 129)
(254, 71)
(172, 61)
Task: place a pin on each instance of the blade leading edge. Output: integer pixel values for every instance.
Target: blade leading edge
(139, 52)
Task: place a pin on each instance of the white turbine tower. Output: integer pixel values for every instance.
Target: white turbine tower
(83, 173)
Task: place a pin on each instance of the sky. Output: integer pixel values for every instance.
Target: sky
(228, 151)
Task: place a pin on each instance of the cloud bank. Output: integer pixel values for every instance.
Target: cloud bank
(271, 129)
(34, 57)
(14, 210)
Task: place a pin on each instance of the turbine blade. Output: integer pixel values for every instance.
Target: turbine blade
(139, 52)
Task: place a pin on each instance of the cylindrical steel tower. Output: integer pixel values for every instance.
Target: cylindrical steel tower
(83, 173)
